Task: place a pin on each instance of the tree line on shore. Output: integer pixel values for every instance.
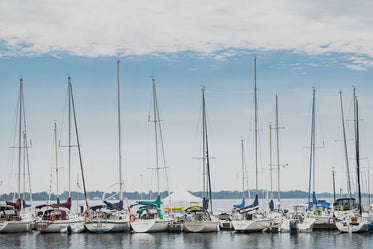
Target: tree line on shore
(262, 194)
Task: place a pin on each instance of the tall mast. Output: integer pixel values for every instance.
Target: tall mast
(312, 154)
(270, 157)
(345, 147)
(203, 143)
(355, 125)
(119, 140)
(78, 144)
(357, 153)
(156, 133)
(20, 136)
(55, 142)
(313, 139)
(333, 173)
(278, 154)
(206, 153)
(158, 136)
(69, 120)
(24, 166)
(243, 170)
(256, 129)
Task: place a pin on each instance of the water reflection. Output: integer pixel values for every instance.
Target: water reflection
(154, 240)
(16, 240)
(52, 240)
(200, 240)
(224, 239)
(105, 240)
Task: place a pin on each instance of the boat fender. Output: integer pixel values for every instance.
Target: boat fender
(53, 217)
(132, 218)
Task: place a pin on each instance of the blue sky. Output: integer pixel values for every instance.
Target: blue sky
(298, 47)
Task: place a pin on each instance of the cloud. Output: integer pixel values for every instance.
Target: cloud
(96, 28)
(359, 63)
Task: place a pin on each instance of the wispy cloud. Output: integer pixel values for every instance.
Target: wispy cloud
(96, 28)
(359, 63)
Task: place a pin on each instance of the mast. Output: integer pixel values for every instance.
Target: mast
(24, 166)
(204, 192)
(312, 154)
(354, 96)
(69, 120)
(156, 133)
(119, 140)
(55, 142)
(270, 157)
(357, 152)
(345, 147)
(243, 170)
(27, 163)
(278, 154)
(25, 154)
(78, 144)
(206, 153)
(333, 173)
(256, 129)
(20, 136)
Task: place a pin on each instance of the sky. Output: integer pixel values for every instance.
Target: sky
(184, 45)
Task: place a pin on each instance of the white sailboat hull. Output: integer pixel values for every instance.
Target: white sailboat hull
(201, 226)
(306, 226)
(149, 226)
(57, 226)
(107, 226)
(15, 226)
(250, 225)
(346, 226)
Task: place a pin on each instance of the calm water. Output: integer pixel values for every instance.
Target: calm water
(223, 239)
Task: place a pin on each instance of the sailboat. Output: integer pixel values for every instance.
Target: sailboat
(111, 217)
(198, 219)
(58, 217)
(250, 220)
(355, 221)
(148, 217)
(343, 205)
(11, 219)
(276, 214)
(318, 209)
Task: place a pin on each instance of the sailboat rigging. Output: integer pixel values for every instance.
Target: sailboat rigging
(149, 216)
(112, 217)
(198, 219)
(247, 219)
(11, 219)
(59, 217)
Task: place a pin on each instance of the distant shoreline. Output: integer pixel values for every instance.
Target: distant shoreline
(296, 194)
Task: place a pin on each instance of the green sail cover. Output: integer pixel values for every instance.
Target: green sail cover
(156, 203)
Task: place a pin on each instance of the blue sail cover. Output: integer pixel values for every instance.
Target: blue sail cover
(240, 205)
(251, 207)
(114, 206)
(317, 203)
(205, 203)
(271, 205)
(25, 205)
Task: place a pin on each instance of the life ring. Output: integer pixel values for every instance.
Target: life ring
(53, 217)
(132, 217)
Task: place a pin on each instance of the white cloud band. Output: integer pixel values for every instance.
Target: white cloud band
(127, 27)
